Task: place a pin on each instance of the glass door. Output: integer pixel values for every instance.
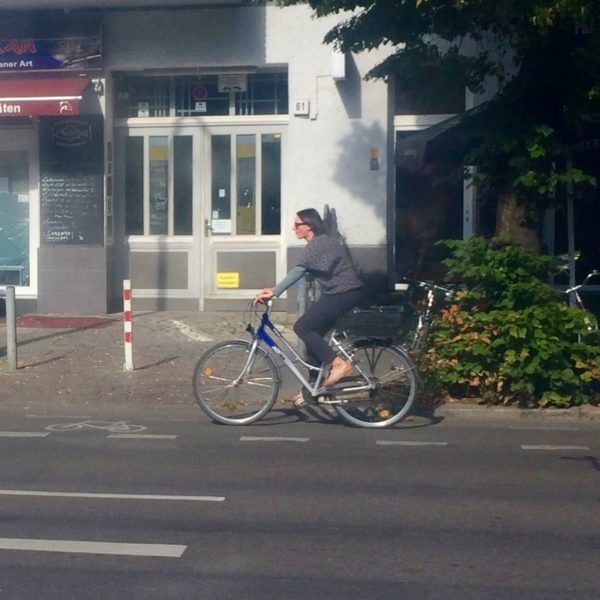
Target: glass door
(245, 193)
(242, 215)
(17, 239)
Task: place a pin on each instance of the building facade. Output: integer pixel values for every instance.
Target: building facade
(173, 146)
(172, 143)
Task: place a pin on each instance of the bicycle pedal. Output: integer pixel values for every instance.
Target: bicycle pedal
(328, 400)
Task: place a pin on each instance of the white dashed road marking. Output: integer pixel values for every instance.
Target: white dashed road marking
(80, 547)
(409, 443)
(249, 438)
(551, 447)
(23, 434)
(39, 493)
(144, 436)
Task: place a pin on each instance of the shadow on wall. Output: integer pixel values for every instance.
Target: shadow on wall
(359, 179)
(370, 188)
(159, 37)
(350, 89)
(375, 282)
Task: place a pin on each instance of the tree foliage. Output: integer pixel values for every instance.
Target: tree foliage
(509, 337)
(544, 56)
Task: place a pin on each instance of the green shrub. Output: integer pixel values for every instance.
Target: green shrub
(509, 337)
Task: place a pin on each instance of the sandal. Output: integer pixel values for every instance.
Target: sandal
(298, 400)
(337, 372)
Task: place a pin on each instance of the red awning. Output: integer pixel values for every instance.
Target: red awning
(37, 97)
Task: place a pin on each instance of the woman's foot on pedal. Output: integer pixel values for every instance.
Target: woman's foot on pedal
(339, 368)
(297, 401)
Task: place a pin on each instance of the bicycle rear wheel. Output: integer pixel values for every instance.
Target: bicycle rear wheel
(232, 387)
(394, 374)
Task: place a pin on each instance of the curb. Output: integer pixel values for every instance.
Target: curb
(586, 412)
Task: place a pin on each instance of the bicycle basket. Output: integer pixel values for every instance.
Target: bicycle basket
(386, 322)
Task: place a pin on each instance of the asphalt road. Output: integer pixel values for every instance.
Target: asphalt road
(173, 506)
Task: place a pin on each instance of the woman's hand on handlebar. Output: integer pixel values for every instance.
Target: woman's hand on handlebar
(264, 296)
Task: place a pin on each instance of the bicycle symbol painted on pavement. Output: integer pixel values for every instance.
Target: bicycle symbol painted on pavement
(110, 426)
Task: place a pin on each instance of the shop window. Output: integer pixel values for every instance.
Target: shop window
(200, 95)
(159, 185)
(14, 218)
(429, 208)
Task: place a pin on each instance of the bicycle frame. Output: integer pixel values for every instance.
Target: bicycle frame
(426, 315)
(573, 292)
(268, 333)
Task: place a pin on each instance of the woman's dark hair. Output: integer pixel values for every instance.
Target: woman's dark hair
(313, 219)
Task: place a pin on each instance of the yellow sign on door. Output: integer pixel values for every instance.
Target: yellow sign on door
(228, 280)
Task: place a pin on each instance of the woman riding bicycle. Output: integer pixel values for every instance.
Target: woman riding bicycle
(327, 260)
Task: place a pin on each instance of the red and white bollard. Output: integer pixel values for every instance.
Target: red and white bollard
(128, 325)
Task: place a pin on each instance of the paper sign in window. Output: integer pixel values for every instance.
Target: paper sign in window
(228, 280)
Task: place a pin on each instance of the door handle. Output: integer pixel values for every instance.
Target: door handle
(207, 227)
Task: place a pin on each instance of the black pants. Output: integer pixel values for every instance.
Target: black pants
(319, 318)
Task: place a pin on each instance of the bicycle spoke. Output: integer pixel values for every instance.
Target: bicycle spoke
(234, 387)
(393, 374)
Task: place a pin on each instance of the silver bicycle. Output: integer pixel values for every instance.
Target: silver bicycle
(237, 382)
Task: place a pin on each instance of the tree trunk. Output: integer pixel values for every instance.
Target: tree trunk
(512, 219)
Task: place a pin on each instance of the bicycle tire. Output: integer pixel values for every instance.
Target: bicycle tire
(245, 401)
(395, 375)
(420, 341)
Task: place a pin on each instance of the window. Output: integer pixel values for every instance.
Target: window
(246, 184)
(427, 92)
(199, 96)
(265, 93)
(271, 183)
(429, 208)
(182, 184)
(143, 97)
(134, 185)
(158, 185)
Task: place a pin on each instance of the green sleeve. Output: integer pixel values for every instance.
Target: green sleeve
(290, 279)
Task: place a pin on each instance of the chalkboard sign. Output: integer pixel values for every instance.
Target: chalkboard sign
(72, 209)
(71, 190)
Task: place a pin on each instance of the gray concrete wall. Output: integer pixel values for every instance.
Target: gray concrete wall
(72, 280)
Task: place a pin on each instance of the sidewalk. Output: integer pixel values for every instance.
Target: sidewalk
(77, 362)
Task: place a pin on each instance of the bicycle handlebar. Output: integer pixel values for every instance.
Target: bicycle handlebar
(575, 288)
(429, 285)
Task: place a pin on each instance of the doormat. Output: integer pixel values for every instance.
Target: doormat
(64, 322)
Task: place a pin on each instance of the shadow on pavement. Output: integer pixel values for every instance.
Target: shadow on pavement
(592, 460)
(158, 362)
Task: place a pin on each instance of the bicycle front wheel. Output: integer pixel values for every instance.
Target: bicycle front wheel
(395, 378)
(234, 387)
